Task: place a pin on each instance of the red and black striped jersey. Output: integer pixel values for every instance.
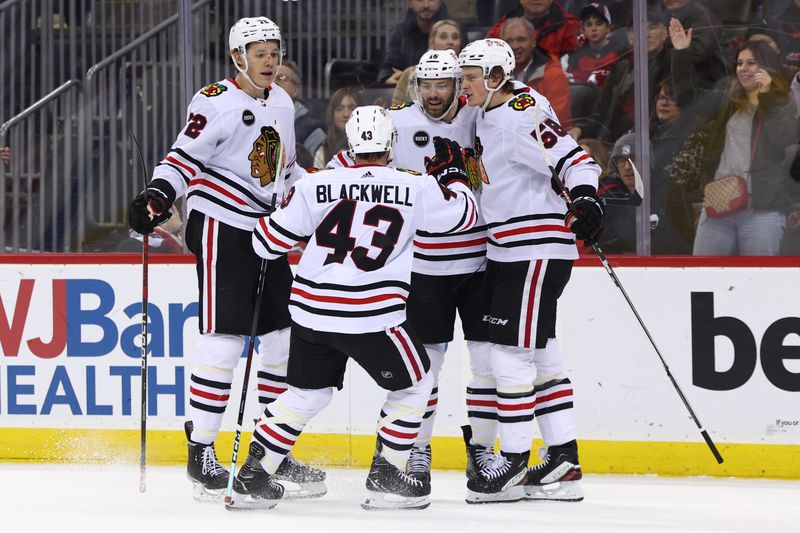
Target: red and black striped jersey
(220, 160)
(524, 216)
(355, 273)
(434, 254)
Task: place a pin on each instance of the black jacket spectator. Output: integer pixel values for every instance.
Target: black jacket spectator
(615, 109)
(407, 43)
(706, 53)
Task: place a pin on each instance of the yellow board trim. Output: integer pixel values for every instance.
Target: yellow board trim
(597, 456)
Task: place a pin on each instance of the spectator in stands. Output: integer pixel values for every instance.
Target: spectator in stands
(754, 122)
(556, 30)
(616, 187)
(308, 126)
(408, 40)
(591, 63)
(5, 155)
(706, 50)
(673, 192)
(787, 22)
(536, 68)
(342, 104)
(761, 32)
(445, 34)
(614, 111)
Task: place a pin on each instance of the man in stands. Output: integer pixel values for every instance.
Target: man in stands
(556, 30)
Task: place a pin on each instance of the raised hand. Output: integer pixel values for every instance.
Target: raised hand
(680, 38)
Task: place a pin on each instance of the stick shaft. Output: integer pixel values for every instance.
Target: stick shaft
(143, 421)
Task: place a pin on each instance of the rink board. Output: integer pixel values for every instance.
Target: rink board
(729, 331)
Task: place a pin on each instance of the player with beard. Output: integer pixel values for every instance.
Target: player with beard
(448, 270)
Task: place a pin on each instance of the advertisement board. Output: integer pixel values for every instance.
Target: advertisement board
(730, 335)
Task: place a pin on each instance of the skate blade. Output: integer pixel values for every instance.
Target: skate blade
(560, 491)
(203, 495)
(511, 494)
(245, 502)
(303, 491)
(381, 501)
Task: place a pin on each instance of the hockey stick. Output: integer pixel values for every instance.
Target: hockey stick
(562, 191)
(262, 273)
(145, 263)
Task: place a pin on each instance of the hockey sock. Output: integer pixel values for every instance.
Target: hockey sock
(514, 373)
(482, 410)
(554, 412)
(210, 383)
(284, 419)
(553, 396)
(481, 396)
(515, 408)
(401, 417)
(436, 355)
(273, 350)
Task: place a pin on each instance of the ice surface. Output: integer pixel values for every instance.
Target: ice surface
(95, 498)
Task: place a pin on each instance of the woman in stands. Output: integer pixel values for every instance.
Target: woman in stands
(341, 105)
(753, 123)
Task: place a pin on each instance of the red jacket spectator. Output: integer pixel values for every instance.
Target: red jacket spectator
(547, 77)
(557, 31)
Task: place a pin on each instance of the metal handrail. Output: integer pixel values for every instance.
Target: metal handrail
(7, 4)
(38, 104)
(137, 42)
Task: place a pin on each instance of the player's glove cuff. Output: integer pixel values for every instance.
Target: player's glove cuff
(151, 207)
(585, 218)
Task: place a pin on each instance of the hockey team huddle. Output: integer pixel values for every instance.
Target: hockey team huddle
(440, 206)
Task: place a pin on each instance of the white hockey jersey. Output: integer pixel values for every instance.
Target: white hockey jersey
(355, 273)
(434, 254)
(219, 157)
(524, 215)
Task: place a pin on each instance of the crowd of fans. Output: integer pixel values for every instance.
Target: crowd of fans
(723, 95)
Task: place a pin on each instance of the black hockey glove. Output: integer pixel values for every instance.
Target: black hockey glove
(585, 219)
(159, 197)
(447, 164)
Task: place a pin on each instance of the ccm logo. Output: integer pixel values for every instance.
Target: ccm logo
(494, 320)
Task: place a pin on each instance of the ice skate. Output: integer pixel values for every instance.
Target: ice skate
(209, 479)
(499, 482)
(300, 480)
(390, 488)
(557, 477)
(253, 488)
(419, 463)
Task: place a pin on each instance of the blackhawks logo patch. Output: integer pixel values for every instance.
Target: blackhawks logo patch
(522, 102)
(395, 107)
(264, 156)
(215, 89)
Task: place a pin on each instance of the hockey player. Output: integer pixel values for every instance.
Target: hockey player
(530, 251)
(448, 270)
(224, 162)
(348, 300)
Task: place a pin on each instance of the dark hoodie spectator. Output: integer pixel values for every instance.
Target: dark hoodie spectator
(614, 112)
(556, 30)
(787, 22)
(408, 40)
(706, 50)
